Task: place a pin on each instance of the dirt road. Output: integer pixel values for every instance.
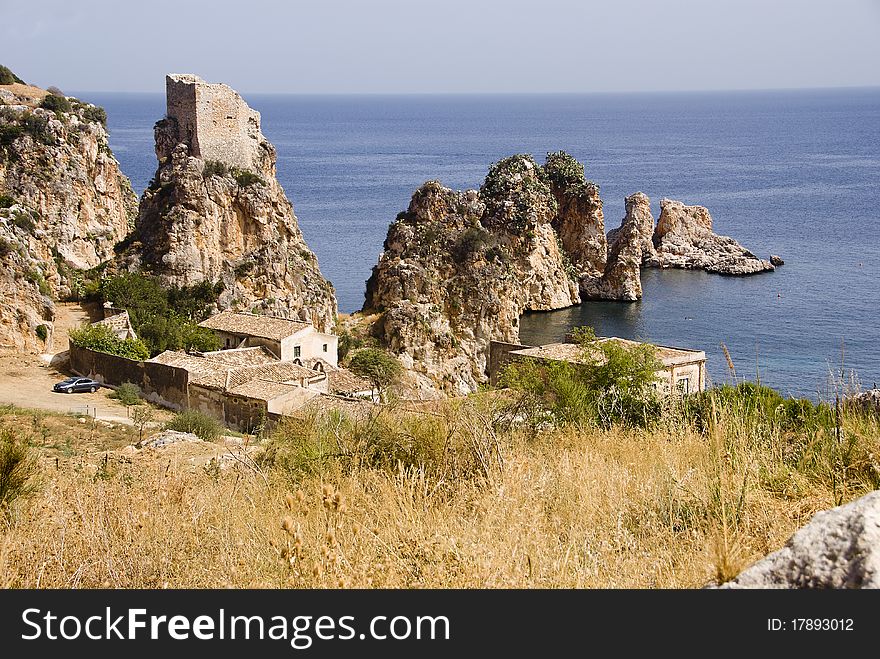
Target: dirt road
(26, 381)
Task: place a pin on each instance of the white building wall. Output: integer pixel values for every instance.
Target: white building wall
(311, 344)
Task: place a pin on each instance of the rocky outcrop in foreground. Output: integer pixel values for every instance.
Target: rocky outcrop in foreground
(839, 548)
(64, 205)
(459, 268)
(215, 211)
(684, 239)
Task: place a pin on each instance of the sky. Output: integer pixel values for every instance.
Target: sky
(444, 46)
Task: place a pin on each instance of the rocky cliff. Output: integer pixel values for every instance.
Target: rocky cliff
(459, 268)
(64, 204)
(684, 238)
(215, 211)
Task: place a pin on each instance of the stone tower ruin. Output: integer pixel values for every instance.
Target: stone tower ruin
(214, 121)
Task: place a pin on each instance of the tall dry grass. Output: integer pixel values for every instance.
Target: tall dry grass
(464, 505)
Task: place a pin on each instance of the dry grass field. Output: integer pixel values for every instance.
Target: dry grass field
(403, 500)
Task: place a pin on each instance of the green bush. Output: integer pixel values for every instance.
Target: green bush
(95, 114)
(42, 332)
(458, 443)
(201, 425)
(101, 338)
(128, 394)
(38, 128)
(36, 277)
(7, 77)
(6, 247)
(6, 201)
(164, 318)
(472, 240)
(24, 221)
(55, 103)
(566, 173)
(610, 383)
(347, 343)
(18, 469)
(246, 178)
(9, 133)
(215, 168)
(515, 191)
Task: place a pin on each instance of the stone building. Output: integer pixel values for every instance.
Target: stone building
(285, 339)
(242, 387)
(214, 121)
(683, 371)
(118, 321)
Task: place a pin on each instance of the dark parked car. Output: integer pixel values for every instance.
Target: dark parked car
(71, 385)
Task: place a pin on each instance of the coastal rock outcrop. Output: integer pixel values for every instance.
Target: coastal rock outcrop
(839, 548)
(628, 246)
(459, 268)
(684, 239)
(216, 212)
(64, 205)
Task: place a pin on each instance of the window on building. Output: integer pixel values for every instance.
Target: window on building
(324, 347)
(297, 351)
(684, 385)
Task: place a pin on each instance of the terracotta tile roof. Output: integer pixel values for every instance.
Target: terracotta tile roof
(343, 381)
(266, 327)
(322, 404)
(201, 371)
(261, 389)
(241, 356)
(274, 372)
(213, 374)
(572, 352)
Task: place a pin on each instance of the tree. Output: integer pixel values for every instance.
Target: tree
(379, 367)
(609, 383)
(141, 417)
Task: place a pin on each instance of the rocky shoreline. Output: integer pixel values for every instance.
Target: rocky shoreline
(459, 268)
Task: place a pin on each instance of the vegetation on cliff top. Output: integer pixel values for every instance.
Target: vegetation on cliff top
(7, 77)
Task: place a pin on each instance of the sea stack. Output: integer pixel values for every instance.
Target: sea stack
(215, 211)
(459, 268)
(684, 239)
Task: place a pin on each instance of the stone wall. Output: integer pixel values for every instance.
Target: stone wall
(234, 411)
(161, 384)
(214, 121)
(499, 357)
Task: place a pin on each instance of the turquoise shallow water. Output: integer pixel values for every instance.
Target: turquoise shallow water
(790, 173)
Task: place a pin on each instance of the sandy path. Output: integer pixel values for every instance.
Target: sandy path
(26, 381)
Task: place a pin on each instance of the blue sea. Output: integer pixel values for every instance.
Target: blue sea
(793, 173)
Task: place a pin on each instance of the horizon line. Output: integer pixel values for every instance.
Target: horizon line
(521, 93)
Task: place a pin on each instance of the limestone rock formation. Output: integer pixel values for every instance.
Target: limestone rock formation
(684, 239)
(64, 205)
(216, 212)
(628, 247)
(839, 548)
(579, 220)
(459, 268)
